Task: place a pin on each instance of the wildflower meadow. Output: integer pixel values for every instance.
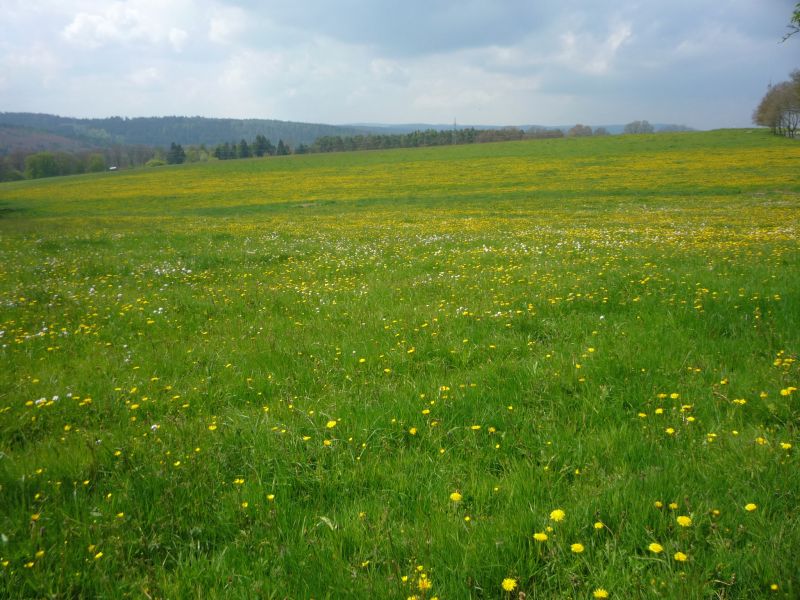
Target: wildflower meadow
(548, 369)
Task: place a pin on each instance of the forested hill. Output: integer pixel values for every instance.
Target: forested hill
(162, 131)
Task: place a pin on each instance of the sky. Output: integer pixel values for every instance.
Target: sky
(701, 63)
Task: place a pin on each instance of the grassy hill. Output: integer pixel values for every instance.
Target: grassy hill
(563, 367)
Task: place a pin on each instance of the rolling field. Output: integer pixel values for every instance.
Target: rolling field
(562, 368)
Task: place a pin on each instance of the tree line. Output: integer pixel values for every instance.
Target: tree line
(50, 164)
(416, 139)
(779, 109)
(260, 146)
(34, 165)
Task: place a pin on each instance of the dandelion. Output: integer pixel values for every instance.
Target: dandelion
(684, 521)
(456, 497)
(680, 557)
(330, 424)
(424, 583)
(557, 515)
(600, 593)
(540, 536)
(599, 525)
(576, 548)
(750, 507)
(509, 584)
(655, 548)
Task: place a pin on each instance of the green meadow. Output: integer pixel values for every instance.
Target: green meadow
(548, 369)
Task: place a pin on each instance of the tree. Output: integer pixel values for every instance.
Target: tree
(176, 154)
(262, 146)
(41, 164)
(96, 163)
(639, 127)
(243, 150)
(794, 23)
(600, 131)
(779, 109)
(283, 149)
(580, 131)
(8, 172)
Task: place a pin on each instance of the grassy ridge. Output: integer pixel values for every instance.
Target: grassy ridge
(269, 378)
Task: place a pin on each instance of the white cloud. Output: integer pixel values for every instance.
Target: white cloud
(117, 23)
(178, 37)
(226, 25)
(131, 22)
(147, 77)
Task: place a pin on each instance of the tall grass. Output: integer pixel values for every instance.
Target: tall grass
(377, 375)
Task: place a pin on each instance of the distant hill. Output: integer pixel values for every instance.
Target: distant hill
(27, 140)
(33, 132)
(152, 131)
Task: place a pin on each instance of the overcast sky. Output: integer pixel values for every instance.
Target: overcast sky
(703, 63)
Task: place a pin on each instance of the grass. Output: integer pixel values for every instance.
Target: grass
(266, 378)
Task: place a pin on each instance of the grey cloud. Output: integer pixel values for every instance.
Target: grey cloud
(410, 27)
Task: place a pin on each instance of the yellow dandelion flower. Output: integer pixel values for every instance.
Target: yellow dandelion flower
(557, 515)
(576, 548)
(540, 536)
(750, 507)
(424, 583)
(456, 497)
(599, 525)
(680, 557)
(413, 431)
(509, 584)
(684, 521)
(330, 424)
(655, 548)
(600, 593)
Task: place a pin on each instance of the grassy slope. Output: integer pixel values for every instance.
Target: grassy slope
(536, 298)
